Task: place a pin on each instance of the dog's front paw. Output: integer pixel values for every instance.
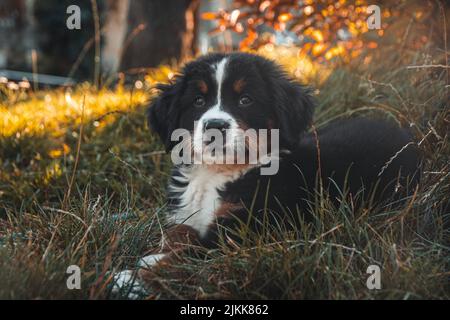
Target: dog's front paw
(128, 285)
(151, 261)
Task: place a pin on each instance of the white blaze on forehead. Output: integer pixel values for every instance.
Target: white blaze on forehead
(220, 76)
(216, 111)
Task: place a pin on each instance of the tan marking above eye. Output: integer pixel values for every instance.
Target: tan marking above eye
(203, 86)
(239, 85)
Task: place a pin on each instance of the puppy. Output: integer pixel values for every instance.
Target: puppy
(231, 94)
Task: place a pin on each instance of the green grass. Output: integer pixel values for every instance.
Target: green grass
(102, 208)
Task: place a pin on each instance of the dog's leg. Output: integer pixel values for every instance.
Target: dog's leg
(177, 242)
(151, 260)
(127, 284)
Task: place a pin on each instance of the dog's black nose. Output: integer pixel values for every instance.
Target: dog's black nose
(216, 124)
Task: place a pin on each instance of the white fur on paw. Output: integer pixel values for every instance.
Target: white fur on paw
(151, 260)
(127, 284)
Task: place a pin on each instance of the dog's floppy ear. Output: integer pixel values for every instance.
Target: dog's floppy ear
(163, 113)
(294, 110)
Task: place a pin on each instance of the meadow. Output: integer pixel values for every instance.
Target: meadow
(82, 182)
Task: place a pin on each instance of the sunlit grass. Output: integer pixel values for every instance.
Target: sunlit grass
(110, 213)
(300, 66)
(40, 135)
(52, 111)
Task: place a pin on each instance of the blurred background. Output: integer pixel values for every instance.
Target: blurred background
(129, 35)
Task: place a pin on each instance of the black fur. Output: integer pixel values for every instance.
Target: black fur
(361, 157)
(353, 153)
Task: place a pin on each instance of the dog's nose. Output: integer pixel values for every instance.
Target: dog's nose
(216, 124)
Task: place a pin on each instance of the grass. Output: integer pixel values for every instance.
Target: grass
(82, 183)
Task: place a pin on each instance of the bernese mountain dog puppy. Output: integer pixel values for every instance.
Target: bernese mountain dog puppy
(231, 93)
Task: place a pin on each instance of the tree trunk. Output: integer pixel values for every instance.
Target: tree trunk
(115, 29)
(16, 34)
(159, 31)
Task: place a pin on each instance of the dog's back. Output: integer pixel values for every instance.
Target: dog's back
(362, 153)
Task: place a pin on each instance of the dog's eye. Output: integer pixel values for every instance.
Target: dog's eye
(245, 100)
(199, 101)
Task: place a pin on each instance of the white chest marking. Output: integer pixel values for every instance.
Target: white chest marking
(200, 198)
